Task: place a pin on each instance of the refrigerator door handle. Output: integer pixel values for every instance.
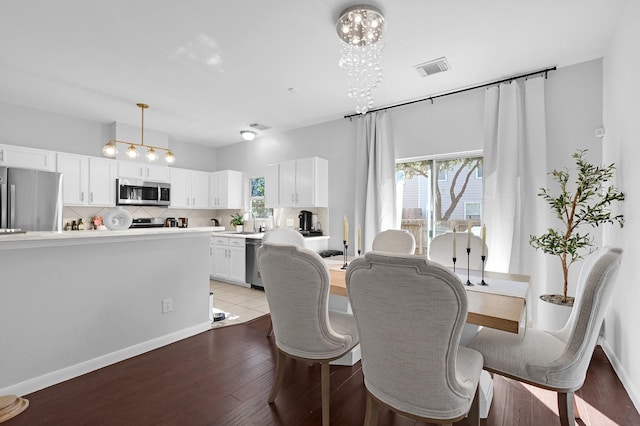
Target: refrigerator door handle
(12, 205)
(3, 205)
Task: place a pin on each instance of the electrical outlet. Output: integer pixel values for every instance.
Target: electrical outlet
(289, 222)
(167, 306)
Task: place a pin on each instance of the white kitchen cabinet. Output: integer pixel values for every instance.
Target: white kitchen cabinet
(229, 260)
(102, 182)
(134, 170)
(199, 189)
(27, 158)
(225, 189)
(189, 189)
(304, 183)
(87, 181)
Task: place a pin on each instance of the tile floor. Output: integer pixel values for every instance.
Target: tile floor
(240, 304)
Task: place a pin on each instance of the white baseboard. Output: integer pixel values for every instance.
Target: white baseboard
(630, 387)
(59, 376)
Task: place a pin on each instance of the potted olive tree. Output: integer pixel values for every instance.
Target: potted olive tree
(589, 204)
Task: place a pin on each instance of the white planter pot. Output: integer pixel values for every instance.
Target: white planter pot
(552, 316)
(239, 228)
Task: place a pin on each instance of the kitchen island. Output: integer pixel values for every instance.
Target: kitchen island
(76, 301)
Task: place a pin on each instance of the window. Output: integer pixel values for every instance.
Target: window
(256, 198)
(472, 210)
(438, 205)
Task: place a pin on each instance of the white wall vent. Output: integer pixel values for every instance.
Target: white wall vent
(432, 67)
(259, 126)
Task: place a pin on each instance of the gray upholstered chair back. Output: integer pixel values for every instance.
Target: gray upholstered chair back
(296, 282)
(398, 241)
(441, 250)
(283, 235)
(410, 313)
(593, 294)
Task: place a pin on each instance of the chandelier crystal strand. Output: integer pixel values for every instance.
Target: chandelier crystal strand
(363, 65)
(361, 29)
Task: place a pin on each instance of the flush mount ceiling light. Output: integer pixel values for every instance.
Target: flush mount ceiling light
(361, 30)
(248, 135)
(110, 149)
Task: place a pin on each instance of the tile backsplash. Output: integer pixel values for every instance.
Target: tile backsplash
(199, 217)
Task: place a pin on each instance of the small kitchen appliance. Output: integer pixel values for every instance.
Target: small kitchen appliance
(306, 220)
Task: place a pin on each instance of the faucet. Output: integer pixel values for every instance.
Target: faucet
(253, 221)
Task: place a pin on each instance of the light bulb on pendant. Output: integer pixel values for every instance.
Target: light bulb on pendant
(132, 152)
(169, 157)
(110, 149)
(151, 155)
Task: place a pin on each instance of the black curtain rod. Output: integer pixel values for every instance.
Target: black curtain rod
(431, 98)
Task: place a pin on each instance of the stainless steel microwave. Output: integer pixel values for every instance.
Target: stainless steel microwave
(133, 192)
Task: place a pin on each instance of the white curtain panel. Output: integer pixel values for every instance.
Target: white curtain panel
(374, 177)
(515, 168)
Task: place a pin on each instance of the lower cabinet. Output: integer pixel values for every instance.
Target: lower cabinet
(228, 259)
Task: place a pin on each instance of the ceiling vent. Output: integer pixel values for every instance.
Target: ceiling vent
(432, 67)
(259, 126)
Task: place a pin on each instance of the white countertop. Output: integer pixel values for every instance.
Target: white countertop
(8, 241)
(259, 235)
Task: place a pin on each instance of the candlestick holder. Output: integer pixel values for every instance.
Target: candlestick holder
(454, 263)
(468, 258)
(346, 246)
(483, 258)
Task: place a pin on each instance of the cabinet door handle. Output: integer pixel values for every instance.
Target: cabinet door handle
(82, 196)
(91, 197)
(194, 202)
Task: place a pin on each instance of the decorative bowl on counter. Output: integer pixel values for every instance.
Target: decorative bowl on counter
(117, 219)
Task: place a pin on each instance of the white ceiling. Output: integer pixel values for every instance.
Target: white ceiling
(208, 68)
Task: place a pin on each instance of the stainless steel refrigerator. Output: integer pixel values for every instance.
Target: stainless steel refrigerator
(30, 200)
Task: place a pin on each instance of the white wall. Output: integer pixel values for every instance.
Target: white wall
(622, 126)
(103, 304)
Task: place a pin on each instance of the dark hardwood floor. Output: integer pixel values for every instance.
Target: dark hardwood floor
(223, 377)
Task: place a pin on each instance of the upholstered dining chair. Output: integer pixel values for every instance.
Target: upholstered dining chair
(398, 241)
(557, 360)
(410, 313)
(282, 235)
(296, 281)
(441, 250)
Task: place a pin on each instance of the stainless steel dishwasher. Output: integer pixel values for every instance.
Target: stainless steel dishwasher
(252, 245)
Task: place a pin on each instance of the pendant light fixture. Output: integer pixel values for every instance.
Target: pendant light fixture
(110, 149)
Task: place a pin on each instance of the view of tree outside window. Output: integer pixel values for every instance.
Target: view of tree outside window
(432, 207)
(257, 198)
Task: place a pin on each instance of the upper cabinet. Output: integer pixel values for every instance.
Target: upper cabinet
(87, 180)
(134, 170)
(302, 183)
(27, 158)
(225, 190)
(189, 188)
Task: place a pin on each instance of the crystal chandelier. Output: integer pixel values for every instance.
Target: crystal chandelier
(361, 29)
(110, 149)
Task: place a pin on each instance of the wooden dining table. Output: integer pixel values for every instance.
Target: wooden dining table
(501, 304)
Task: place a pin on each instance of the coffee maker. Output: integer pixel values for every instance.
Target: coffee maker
(306, 223)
